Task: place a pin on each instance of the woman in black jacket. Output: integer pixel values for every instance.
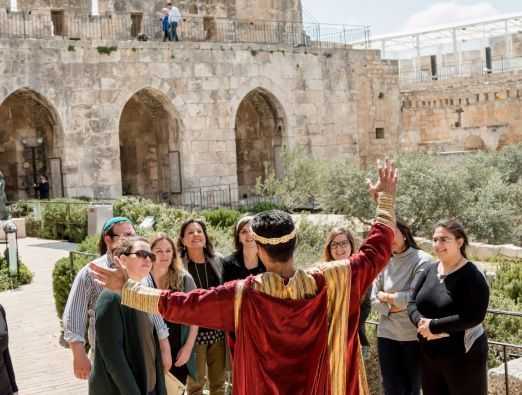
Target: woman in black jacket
(7, 377)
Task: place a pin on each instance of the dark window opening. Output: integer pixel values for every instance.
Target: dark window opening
(58, 20)
(379, 133)
(136, 21)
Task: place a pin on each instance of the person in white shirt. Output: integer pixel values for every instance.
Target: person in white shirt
(174, 21)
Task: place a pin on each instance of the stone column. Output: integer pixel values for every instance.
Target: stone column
(95, 10)
(13, 6)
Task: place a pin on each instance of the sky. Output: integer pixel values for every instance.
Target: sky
(395, 16)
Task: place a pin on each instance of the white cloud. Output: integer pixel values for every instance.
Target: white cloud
(447, 13)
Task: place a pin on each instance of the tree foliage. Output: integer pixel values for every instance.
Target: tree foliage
(483, 191)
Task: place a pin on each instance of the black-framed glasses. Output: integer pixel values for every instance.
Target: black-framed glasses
(339, 244)
(142, 254)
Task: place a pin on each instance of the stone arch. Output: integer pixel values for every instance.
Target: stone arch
(149, 136)
(509, 139)
(260, 127)
(31, 143)
(474, 143)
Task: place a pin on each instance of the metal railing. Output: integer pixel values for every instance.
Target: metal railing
(220, 196)
(466, 69)
(132, 26)
(516, 349)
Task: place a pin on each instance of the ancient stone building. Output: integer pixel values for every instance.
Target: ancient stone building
(119, 116)
(461, 85)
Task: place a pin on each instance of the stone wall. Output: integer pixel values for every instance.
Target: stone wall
(271, 10)
(462, 114)
(326, 100)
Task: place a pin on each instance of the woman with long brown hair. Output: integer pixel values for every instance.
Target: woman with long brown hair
(206, 267)
(168, 273)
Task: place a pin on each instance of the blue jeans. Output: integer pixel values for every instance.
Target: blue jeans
(173, 31)
(400, 366)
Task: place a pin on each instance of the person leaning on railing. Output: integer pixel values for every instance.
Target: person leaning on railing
(448, 304)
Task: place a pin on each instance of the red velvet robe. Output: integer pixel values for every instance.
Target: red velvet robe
(282, 344)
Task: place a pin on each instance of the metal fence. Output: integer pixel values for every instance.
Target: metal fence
(508, 351)
(221, 196)
(466, 69)
(132, 26)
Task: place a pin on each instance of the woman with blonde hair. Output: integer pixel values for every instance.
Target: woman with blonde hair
(168, 273)
(340, 245)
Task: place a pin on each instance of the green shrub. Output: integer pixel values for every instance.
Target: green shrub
(310, 241)
(221, 217)
(89, 244)
(263, 206)
(64, 219)
(25, 276)
(508, 280)
(33, 227)
(63, 277)
(302, 182)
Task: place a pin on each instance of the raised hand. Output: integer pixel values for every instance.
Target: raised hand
(387, 182)
(113, 279)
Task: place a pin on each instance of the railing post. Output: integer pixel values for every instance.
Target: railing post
(506, 373)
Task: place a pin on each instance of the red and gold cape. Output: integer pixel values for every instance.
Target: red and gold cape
(295, 336)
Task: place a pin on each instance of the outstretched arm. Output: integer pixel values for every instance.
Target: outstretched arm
(375, 252)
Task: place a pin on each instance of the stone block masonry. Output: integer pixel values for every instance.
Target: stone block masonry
(107, 118)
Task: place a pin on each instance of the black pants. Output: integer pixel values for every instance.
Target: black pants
(464, 374)
(399, 363)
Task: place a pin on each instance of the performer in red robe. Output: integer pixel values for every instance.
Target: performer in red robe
(296, 330)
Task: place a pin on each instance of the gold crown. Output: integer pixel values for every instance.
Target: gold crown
(275, 240)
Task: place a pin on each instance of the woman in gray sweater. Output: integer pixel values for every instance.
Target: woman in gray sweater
(397, 336)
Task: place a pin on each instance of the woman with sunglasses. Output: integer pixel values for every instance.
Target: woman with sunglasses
(448, 304)
(206, 267)
(127, 359)
(340, 245)
(168, 273)
(396, 336)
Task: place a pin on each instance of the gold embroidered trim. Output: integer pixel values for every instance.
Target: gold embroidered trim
(140, 297)
(275, 240)
(300, 286)
(363, 380)
(338, 278)
(238, 298)
(385, 209)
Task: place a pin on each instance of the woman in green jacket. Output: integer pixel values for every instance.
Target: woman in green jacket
(127, 359)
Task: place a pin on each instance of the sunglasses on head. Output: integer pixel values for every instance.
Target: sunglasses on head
(142, 254)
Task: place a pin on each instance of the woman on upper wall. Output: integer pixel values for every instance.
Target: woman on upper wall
(396, 336)
(448, 304)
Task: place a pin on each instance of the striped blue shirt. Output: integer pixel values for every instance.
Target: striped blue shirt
(79, 313)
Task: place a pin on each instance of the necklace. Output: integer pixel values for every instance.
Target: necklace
(442, 276)
(199, 278)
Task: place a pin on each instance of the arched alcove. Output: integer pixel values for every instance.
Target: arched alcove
(149, 146)
(260, 126)
(31, 144)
